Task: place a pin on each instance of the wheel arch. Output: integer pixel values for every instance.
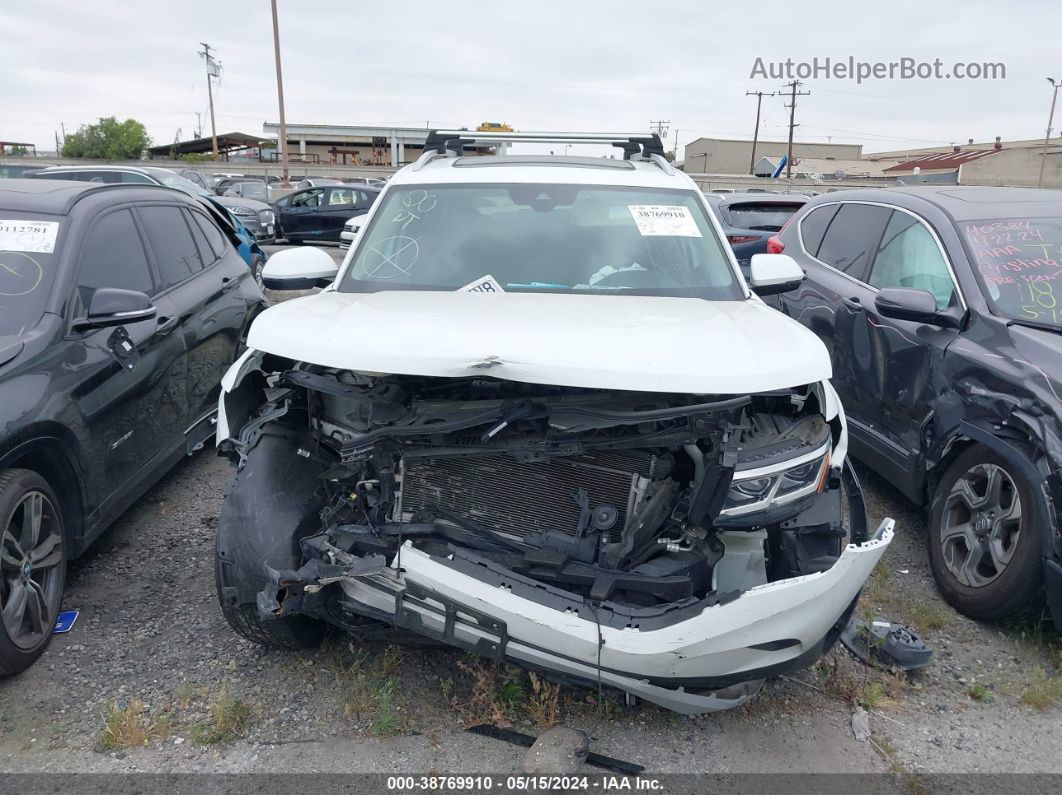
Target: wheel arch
(49, 449)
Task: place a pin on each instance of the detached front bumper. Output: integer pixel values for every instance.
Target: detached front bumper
(689, 660)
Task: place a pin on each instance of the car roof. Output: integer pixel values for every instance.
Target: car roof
(58, 196)
(103, 167)
(962, 202)
(547, 169)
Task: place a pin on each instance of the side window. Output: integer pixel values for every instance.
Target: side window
(112, 255)
(852, 237)
(171, 240)
(341, 197)
(206, 252)
(908, 256)
(813, 227)
(136, 179)
(311, 198)
(214, 236)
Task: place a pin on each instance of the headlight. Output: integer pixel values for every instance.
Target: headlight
(242, 211)
(266, 216)
(762, 488)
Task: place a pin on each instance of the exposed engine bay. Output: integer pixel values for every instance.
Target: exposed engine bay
(630, 510)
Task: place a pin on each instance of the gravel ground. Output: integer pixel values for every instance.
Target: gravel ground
(150, 631)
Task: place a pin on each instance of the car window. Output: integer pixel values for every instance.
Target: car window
(136, 179)
(813, 227)
(544, 238)
(207, 253)
(171, 240)
(27, 272)
(852, 237)
(909, 256)
(761, 216)
(341, 197)
(112, 255)
(311, 198)
(214, 235)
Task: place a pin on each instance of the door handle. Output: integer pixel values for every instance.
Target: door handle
(228, 283)
(853, 303)
(166, 325)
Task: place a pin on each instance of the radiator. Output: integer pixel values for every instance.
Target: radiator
(519, 498)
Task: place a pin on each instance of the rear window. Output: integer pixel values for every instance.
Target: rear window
(813, 227)
(764, 217)
(29, 245)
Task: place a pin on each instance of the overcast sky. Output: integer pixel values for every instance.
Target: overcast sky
(579, 65)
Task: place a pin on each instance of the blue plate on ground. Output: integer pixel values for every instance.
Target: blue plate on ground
(64, 622)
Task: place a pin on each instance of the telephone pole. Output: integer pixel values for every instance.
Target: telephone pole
(282, 137)
(211, 71)
(792, 113)
(660, 128)
(756, 133)
(1050, 120)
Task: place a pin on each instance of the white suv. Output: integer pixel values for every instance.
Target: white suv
(539, 414)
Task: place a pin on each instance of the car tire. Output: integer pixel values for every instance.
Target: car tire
(272, 505)
(32, 567)
(985, 537)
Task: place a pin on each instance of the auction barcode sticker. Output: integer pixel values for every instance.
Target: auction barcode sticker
(664, 220)
(21, 235)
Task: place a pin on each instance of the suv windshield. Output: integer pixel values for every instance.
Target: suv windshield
(27, 268)
(1018, 264)
(544, 238)
(767, 217)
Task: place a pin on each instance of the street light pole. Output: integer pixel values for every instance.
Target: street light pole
(1050, 121)
(282, 138)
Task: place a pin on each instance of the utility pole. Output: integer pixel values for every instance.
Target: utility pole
(211, 71)
(661, 128)
(674, 149)
(198, 124)
(792, 113)
(756, 132)
(1050, 121)
(282, 138)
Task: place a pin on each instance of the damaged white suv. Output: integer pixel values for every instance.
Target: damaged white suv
(539, 414)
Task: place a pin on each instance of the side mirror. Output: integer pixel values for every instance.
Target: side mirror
(902, 303)
(110, 306)
(299, 269)
(771, 274)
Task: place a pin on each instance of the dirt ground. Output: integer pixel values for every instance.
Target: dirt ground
(151, 679)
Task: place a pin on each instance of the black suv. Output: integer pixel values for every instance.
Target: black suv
(121, 306)
(939, 309)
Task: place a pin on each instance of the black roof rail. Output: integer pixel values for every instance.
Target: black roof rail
(632, 144)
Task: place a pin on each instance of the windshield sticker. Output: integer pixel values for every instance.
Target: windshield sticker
(19, 273)
(664, 220)
(487, 284)
(36, 236)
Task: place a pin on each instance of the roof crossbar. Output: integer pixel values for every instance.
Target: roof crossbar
(454, 141)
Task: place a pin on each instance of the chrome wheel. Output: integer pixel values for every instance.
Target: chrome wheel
(258, 268)
(31, 582)
(980, 525)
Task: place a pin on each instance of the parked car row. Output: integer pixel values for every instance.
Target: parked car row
(544, 411)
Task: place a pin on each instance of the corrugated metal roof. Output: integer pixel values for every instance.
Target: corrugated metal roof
(942, 160)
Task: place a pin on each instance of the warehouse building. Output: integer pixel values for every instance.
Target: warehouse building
(734, 156)
(340, 145)
(998, 162)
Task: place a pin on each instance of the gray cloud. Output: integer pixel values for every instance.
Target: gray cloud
(542, 65)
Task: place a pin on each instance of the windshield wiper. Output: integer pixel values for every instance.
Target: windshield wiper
(1036, 324)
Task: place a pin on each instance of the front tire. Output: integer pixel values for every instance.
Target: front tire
(984, 538)
(272, 505)
(32, 567)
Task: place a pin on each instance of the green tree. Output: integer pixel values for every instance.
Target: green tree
(18, 149)
(108, 139)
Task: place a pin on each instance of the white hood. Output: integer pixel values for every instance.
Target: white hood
(648, 344)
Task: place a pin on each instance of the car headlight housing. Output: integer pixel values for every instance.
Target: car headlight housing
(760, 489)
(241, 211)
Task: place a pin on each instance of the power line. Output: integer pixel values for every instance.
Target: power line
(661, 128)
